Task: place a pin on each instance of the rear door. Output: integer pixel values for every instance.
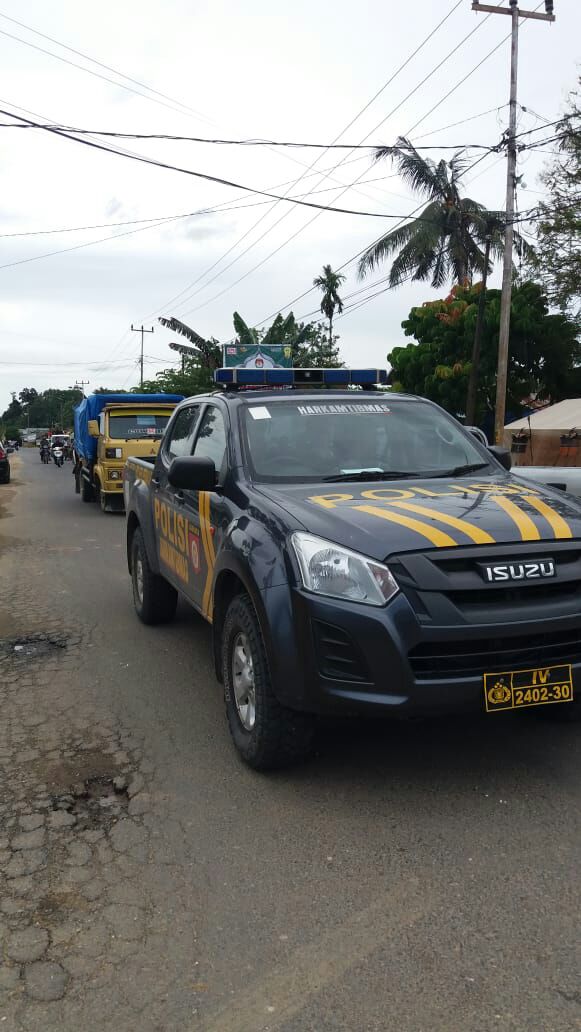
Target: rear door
(169, 519)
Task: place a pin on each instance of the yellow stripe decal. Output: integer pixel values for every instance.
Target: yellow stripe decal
(437, 537)
(560, 526)
(528, 530)
(480, 537)
(208, 550)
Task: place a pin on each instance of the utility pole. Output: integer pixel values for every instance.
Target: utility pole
(514, 13)
(79, 385)
(142, 331)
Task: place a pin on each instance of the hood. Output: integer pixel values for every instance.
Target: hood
(381, 518)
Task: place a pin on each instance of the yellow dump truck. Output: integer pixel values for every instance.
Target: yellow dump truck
(109, 428)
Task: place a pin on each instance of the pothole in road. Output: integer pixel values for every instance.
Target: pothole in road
(32, 645)
(96, 802)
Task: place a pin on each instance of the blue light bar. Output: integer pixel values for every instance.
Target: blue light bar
(300, 377)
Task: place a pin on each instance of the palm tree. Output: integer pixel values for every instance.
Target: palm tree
(208, 352)
(444, 241)
(329, 283)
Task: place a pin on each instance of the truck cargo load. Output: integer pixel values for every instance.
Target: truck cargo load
(91, 408)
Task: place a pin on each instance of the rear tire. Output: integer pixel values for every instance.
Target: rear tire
(87, 494)
(266, 734)
(154, 599)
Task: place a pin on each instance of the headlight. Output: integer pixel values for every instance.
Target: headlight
(114, 474)
(328, 569)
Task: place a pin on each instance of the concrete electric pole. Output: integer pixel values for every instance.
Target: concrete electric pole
(142, 331)
(514, 12)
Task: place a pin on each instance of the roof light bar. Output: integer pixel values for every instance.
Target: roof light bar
(300, 377)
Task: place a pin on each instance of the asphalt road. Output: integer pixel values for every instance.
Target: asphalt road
(413, 877)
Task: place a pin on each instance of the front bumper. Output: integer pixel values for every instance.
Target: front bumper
(312, 640)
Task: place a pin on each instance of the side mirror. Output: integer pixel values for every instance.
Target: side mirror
(192, 474)
(502, 455)
(93, 428)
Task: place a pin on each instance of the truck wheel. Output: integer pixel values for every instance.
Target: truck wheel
(103, 501)
(86, 490)
(266, 734)
(155, 600)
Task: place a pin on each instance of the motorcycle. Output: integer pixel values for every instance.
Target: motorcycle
(58, 457)
(45, 455)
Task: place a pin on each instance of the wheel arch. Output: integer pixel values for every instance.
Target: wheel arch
(132, 525)
(230, 583)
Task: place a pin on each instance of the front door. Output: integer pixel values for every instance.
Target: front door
(203, 511)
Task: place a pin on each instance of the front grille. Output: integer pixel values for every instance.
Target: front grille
(492, 596)
(338, 656)
(439, 660)
(446, 587)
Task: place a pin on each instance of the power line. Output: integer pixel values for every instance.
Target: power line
(412, 213)
(206, 176)
(186, 108)
(91, 243)
(217, 209)
(172, 137)
(310, 221)
(303, 176)
(97, 75)
(463, 121)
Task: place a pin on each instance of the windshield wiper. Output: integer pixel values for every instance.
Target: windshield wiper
(371, 474)
(459, 471)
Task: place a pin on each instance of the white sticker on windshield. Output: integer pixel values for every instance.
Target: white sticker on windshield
(360, 408)
(260, 412)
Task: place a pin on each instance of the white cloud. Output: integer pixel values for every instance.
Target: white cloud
(258, 69)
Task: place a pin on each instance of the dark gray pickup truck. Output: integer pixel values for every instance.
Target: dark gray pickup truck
(356, 552)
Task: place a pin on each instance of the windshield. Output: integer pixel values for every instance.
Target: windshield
(130, 426)
(313, 441)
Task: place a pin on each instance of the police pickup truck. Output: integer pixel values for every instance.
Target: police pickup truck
(356, 552)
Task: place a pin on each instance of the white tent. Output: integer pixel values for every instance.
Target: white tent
(563, 416)
(549, 437)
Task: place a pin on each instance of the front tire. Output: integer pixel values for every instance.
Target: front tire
(266, 734)
(154, 599)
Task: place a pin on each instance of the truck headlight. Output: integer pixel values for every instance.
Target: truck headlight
(114, 474)
(329, 569)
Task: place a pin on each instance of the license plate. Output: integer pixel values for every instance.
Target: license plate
(520, 688)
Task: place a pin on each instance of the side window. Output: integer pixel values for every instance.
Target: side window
(182, 433)
(211, 439)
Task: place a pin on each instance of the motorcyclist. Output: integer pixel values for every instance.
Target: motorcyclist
(44, 449)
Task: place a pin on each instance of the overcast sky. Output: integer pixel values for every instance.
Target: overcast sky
(300, 71)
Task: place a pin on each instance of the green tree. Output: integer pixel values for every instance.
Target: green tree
(329, 283)
(544, 358)
(192, 378)
(308, 342)
(444, 242)
(557, 257)
(13, 414)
